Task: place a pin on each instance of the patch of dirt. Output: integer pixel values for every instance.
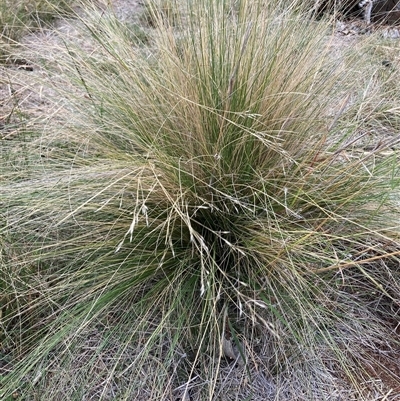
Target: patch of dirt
(385, 367)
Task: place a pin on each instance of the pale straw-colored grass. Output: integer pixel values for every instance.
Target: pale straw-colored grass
(209, 225)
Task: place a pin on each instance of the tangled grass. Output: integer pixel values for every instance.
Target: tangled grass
(17, 18)
(209, 221)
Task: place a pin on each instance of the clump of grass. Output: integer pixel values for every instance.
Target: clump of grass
(165, 11)
(206, 211)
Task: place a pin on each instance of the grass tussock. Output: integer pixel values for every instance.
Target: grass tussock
(208, 224)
